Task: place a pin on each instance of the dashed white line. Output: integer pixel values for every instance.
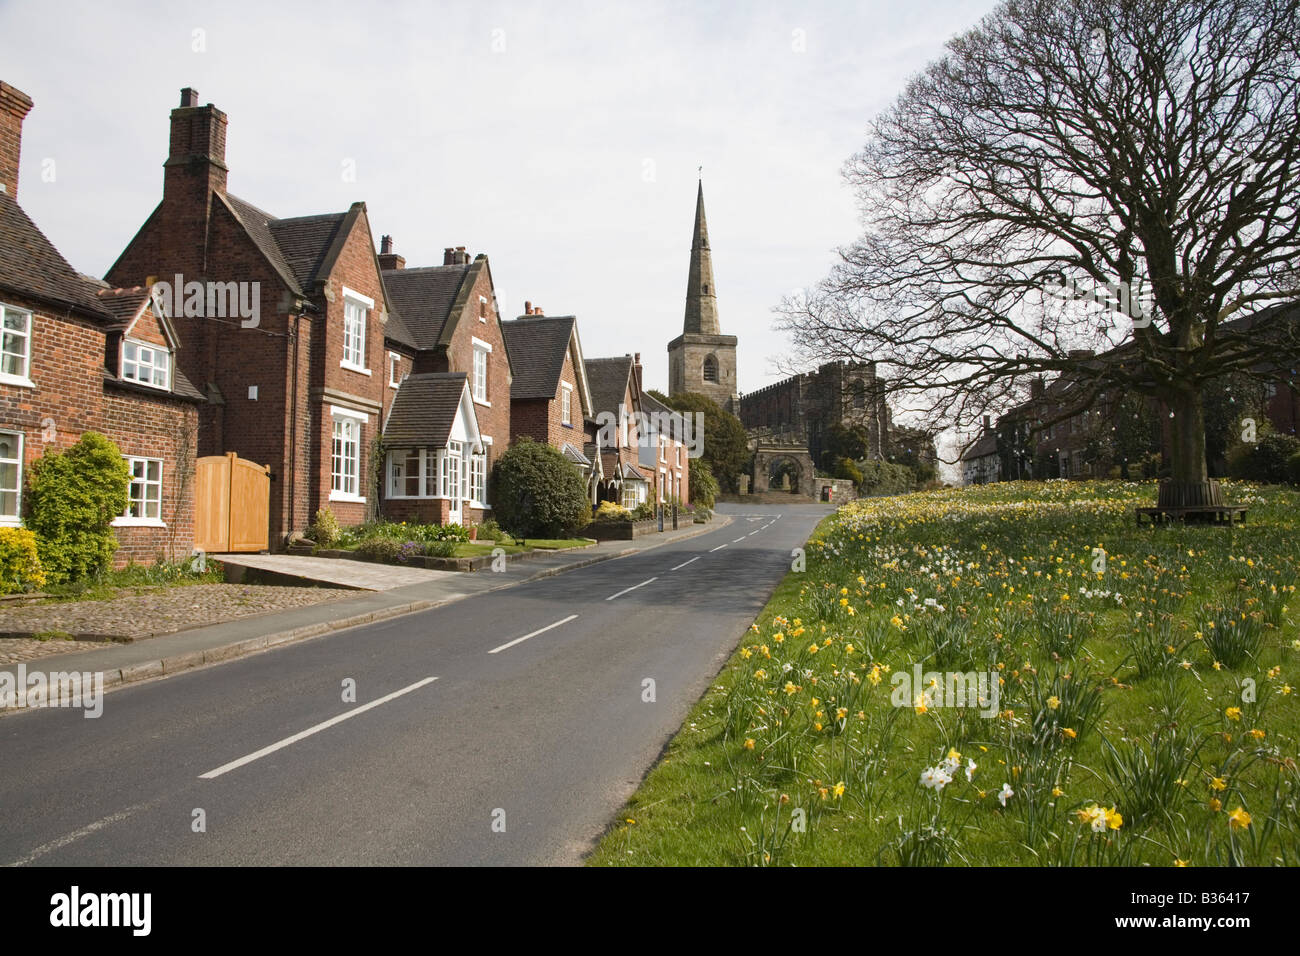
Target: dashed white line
(323, 725)
(540, 630)
(752, 533)
(632, 588)
(718, 548)
(75, 835)
(741, 538)
(684, 563)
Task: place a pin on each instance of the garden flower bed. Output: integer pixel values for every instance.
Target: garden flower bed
(1134, 706)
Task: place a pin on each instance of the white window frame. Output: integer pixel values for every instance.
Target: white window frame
(366, 305)
(11, 378)
(157, 350)
(479, 383)
(566, 404)
(425, 479)
(394, 366)
(342, 417)
(478, 479)
(129, 520)
(482, 308)
(16, 519)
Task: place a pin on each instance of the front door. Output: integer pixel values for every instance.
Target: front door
(454, 467)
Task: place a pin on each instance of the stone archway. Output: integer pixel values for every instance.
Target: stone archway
(770, 456)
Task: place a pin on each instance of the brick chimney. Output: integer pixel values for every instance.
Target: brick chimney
(455, 256)
(636, 370)
(388, 259)
(1036, 387)
(196, 161)
(14, 107)
(528, 307)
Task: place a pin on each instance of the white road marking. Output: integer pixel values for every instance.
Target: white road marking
(718, 548)
(752, 533)
(684, 563)
(540, 630)
(323, 725)
(632, 588)
(75, 835)
(738, 540)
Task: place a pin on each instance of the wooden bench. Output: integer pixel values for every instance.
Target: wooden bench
(1209, 514)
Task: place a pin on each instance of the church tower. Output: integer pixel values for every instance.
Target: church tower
(702, 359)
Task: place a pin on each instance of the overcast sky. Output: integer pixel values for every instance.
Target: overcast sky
(560, 138)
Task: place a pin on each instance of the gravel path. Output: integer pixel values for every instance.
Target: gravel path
(145, 614)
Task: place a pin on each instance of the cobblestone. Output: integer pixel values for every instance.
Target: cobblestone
(132, 616)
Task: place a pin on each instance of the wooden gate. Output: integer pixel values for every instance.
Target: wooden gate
(232, 504)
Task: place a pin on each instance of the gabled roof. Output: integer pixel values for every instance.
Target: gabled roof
(986, 444)
(31, 266)
(424, 409)
(423, 300)
(608, 379)
(302, 249)
(537, 345)
(125, 305)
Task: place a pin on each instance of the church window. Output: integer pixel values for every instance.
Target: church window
(710, 369)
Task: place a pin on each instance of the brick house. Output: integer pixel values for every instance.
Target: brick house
(550, 399)
(668, 462)
(285, 323)
(77, 356)
(616, 401)
(444, 321)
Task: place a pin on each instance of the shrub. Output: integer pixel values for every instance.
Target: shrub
(325, 529)
(538, 493)
(1293, 469)
(389, 550)
(611, 511)
(491, 531)
(440, 549)
(845, 468)
(644, 510)
(73, 498)
(704, 487)
(885, 478)
(20, 564)
(1264, 461)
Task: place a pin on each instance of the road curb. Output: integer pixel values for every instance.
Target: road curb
(176, 663)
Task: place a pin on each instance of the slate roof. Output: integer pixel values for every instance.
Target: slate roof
(422, 299)
(986, 444)
(122, 304)
(607, 378)
(575, 456)
(536, 345)
(30, 265)
(304, 242)
(257, 223)
(424, 409)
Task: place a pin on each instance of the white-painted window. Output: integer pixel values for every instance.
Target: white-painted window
(480, 372)
(356, 310)
(15, 345)
(394, 369)
(566, 404)
(11, 478)
(144, 495)
(345, 460)
(478, 479)
(147, 364)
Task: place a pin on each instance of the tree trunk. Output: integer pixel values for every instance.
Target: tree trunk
(1188, 485)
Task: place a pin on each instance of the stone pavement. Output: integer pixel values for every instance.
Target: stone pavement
(338, 609)
(147, 614)
(340, 572)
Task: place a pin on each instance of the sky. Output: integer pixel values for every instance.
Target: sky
(563, 140)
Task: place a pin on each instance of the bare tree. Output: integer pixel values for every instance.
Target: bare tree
(1137, 155)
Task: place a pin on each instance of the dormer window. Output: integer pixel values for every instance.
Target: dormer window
(147, 364)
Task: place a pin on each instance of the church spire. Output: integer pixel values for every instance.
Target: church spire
(701, 298)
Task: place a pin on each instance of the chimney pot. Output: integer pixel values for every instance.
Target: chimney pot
(528, 307)
(449, 256)
(385, 245)
(189, 97)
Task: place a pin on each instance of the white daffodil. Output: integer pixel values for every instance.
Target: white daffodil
(1005, 794)
(970, 769)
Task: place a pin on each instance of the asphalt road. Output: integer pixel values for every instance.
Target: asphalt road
(457, 749)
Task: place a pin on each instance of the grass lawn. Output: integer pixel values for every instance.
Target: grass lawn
(1141, 710)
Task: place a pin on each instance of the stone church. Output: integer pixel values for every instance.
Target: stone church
(702, 359)
(787, 422)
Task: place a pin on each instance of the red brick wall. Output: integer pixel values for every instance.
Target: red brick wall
(70, 398)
